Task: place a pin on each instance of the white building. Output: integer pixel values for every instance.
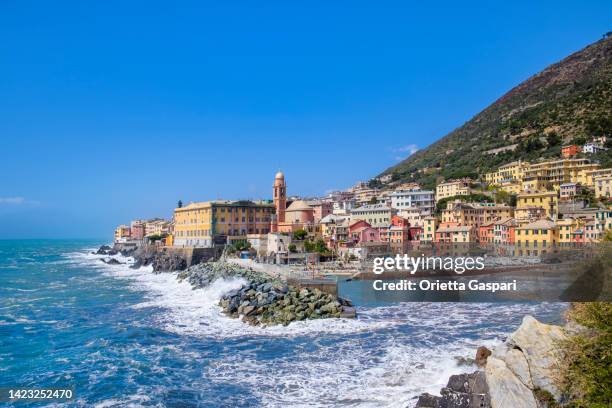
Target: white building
(424, 200)
(592, 148)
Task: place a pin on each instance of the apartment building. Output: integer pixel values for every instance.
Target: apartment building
(547, 200)
(475, 214)
(453, 188)
(377, 215)
(209, 223)
(424, 200)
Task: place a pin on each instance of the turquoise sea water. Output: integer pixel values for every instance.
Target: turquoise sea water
(122, 337)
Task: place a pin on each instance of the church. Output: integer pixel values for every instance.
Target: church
(290, 215)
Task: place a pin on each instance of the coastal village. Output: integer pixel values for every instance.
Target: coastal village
(529, 207)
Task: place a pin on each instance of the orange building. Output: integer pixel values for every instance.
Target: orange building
(569, 151)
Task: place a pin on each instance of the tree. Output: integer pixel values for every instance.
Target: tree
(317, 246)
(553, 139)
(299, 235)
(579, 140)
(179, 204)
(373, 200)
(292, 248)
(240, 245)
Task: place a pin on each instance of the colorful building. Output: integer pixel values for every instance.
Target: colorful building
(122, 233)
(504, 231)
(567, 191)
(448, 233)
(538, 234)
(546, 200)
(475, 214)
(210, 223)
(453, 188)
(569, 151)
(430, 225)
(603, 186)
(486, 233)
(377, 215)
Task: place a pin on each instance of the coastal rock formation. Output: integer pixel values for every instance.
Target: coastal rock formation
(519, 373)
(506, 390)
(537, 342)
(266, 300)
(462, 391)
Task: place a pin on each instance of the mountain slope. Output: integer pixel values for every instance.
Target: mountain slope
(568, 101)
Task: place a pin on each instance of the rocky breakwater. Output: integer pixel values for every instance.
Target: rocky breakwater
(521, 373)
(159, 259)
(267, 300)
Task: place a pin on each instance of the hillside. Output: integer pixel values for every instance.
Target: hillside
(568, 101)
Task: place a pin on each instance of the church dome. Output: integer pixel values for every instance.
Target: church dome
(279, 175)
(299, 205)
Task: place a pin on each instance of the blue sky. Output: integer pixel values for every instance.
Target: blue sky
(114, 111)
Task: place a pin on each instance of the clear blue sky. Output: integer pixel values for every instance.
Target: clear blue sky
(112, 111)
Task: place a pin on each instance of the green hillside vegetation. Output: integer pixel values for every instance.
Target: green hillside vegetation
(568, 102)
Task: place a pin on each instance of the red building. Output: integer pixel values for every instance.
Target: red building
(570, 151)
(486, 233)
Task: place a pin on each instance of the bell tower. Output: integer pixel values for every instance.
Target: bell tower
(280, 196)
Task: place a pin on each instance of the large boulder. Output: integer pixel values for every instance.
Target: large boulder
(539, 344)
(462, 391)
(505, 389)
(482, 353)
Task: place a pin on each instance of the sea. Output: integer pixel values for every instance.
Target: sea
(122, 337)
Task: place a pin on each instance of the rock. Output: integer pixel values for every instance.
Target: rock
(505, 389)
(517, 363)
(462, 391)
(481, 356)
(112, 261)
(463, 361)
(103, 250)
(428, 401)
(348, 312)
(538, 342)
(247, 310)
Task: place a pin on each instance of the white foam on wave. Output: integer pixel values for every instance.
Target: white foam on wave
(196, 311)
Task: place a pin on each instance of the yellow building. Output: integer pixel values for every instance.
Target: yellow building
(603, 186)
(475, 214)
(430, 224)
(567, 227)
(209, 223)
(545, 174)
(513, 187)
(508, 172)
(557, 172)
(122, 232)
(547, 200)
(377, 215)
(458, 234)
(592, 175)
(453, 188)
(538, 234)
(157, 227)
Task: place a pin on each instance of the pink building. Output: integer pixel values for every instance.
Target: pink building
(486, 233)
(365, 234)
(138, 230)
(321, 209)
